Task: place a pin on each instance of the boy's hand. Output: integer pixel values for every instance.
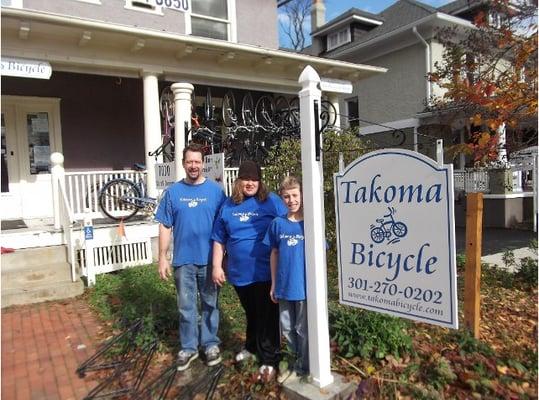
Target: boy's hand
(218, 276)
(272, 295)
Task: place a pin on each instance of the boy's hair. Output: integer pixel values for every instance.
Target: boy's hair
(290, 182)
(194, 148)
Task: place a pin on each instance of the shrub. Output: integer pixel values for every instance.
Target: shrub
(368, 334)
(137, 293)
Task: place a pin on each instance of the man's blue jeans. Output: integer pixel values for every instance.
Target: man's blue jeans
(193, 281)
(293, 318)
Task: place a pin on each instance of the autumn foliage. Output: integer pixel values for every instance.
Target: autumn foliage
(489, 73)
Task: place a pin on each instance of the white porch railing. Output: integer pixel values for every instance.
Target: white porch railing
(471, 180)
(230, 176)
(83, 189)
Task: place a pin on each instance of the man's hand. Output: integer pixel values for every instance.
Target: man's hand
(164, 268)
(218, 276)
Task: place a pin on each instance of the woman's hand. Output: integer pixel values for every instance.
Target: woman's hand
(218, 276)
(272, 295)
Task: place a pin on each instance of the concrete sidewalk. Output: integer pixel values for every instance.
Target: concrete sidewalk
(42, 345)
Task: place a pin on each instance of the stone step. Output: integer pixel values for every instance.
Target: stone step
(49, 273)
(37, 293)
(33, 257)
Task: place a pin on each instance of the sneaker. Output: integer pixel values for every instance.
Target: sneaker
(284, 375)
(244, 355)
(213, 356)
(266, 373)
(185, 358)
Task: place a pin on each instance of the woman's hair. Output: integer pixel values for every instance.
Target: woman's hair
(238, 196)
(290, 182)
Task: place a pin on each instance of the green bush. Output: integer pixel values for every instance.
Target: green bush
(138, 293)
(368, 334)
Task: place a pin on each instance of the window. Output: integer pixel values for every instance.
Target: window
(143, 5)
(339, 38)
(352, 110)
(213, 19)
(12, 3)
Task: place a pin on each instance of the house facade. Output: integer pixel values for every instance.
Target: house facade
(392, 110)
(108, 61)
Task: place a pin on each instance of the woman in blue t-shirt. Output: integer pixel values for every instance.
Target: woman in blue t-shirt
(239, 230)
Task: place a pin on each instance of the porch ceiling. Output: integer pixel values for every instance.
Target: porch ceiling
(84, 46)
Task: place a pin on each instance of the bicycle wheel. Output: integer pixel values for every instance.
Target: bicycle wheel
(247, 109)
(399, 229)
(293, 115)
(166, 103)
(328, 114)
(208, 106)
(377, 235)
(118, 199)
(264, 111)
(228, 110)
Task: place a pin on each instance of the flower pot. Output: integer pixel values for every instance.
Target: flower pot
(500, 181)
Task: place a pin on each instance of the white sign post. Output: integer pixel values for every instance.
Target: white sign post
(396, 236)
(315, 254)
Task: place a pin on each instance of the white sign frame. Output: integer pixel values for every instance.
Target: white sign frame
(374, 272)
(165, 175)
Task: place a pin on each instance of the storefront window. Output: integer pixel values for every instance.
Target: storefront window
(39, 148)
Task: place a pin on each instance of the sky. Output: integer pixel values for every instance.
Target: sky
(335, 8)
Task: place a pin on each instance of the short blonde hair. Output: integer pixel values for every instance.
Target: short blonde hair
(290, 182)
(238, 196)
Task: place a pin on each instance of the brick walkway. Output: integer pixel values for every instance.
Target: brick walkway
(42, 345)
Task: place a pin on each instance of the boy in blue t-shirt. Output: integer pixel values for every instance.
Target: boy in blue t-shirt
(285, 236)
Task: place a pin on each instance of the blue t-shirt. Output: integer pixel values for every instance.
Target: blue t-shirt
(191, 210)
(241, 228)
(288, 237)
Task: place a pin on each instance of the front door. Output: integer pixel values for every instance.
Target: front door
(31, 127)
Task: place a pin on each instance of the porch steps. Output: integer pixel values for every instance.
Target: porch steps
(37, 274)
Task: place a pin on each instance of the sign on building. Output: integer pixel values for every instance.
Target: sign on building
(178, 5)
(396, 236)
(214, 168)
(24, 68)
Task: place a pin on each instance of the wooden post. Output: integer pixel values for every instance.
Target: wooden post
(472, 274)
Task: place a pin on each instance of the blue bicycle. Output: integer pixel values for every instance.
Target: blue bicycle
(388, 227)
(121, 199)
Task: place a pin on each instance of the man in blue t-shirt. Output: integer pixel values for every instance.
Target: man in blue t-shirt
(286, 238)
(187, 211)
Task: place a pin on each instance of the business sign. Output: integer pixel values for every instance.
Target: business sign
(165, 175)
(214, 168)
(24, 68)
(335, 85)
(396, 236)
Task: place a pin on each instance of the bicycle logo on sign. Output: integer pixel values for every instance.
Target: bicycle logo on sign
(388, 229)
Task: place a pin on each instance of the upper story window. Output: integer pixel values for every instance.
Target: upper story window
(143, 5)
(12, 3)
(339, 38)
(213, 19)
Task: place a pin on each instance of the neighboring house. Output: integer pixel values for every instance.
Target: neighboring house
(392, 108)
(110, 60)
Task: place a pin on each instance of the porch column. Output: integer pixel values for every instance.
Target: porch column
(182, 116)
(333, 98)
(152, 128)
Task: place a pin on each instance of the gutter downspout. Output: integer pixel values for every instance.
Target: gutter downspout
(427, 61)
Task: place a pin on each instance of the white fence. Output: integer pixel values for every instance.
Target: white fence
(471, 180)
(83, 188)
